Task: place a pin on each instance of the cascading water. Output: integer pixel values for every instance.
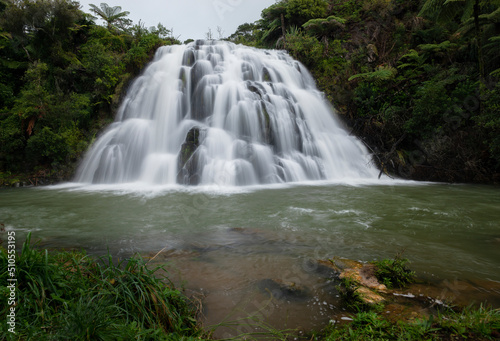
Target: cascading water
(217, 113)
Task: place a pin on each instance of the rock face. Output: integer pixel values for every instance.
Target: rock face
(188, 161)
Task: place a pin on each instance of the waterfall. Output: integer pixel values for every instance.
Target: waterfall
(218, 113)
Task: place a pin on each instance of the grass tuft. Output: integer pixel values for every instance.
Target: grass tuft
(394, 272)
(71, 296)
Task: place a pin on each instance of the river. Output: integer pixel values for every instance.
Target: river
(224, 241)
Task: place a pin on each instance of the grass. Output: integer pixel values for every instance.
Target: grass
(70, 296)
(470, 323)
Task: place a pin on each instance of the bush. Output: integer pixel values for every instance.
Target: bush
(46, 147)
(308, 50)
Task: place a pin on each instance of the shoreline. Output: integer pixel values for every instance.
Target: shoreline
(406, 316)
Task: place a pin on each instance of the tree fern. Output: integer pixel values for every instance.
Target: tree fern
(382, 73)
(323, 27)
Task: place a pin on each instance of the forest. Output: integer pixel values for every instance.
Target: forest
(416, 81)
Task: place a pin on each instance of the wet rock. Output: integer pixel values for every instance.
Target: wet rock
(187, 172)
(188, 59)
(266, 76)
(323, 268)
(369, 296)
(288, 291)
(362, 273)
(265, 123)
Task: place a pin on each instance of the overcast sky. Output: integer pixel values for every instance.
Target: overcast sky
(190, 18)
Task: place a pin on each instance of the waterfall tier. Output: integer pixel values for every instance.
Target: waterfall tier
(218, 113)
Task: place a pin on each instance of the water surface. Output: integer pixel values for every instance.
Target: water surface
(223, 242)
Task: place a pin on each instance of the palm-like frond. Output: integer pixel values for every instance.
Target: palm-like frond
(466, 7)
(111, 14)
(382, 73)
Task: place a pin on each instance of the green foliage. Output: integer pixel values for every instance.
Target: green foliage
(299, 12)
(305, 48)
(471, 323)
(12, 142)
(381, 74)
(46, 147)
(141, 50)
(244, 34)
(113, 16)
(68, 295)
(61, 75)
(322, 27)
(436, 100)
(489, 121)
(393, 272)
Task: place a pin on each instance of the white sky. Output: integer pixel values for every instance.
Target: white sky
(189, 18)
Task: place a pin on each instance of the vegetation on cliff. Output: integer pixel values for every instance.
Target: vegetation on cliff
(61, 77)
(418, 81)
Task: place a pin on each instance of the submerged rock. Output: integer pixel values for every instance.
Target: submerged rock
(281, 290)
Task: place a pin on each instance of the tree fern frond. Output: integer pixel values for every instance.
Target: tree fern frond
(382, 73)
(468, 11)
(431, 7)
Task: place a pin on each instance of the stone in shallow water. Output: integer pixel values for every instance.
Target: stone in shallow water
(369, 289)
(281, 290)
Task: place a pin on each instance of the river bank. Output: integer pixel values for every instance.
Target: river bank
(83, 297)
(236, 242)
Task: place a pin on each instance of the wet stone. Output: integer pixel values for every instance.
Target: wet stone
(281, 290)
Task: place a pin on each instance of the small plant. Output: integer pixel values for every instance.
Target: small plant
(393, 272)
(467, 324)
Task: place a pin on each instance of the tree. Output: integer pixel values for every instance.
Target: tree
(447, 10)
(272, 22)
(113, 16)
(41, 28)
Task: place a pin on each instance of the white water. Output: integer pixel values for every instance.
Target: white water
(257, 117)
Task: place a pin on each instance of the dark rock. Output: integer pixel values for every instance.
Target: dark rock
(188, 59)
(266, 76)
(265, 123)
(188, 161)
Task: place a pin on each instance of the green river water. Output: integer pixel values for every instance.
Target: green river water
(223, 242)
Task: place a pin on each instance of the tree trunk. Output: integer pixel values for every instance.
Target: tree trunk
(283, 29)
(479, 41)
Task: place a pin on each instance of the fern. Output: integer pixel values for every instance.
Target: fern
(382, 73)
